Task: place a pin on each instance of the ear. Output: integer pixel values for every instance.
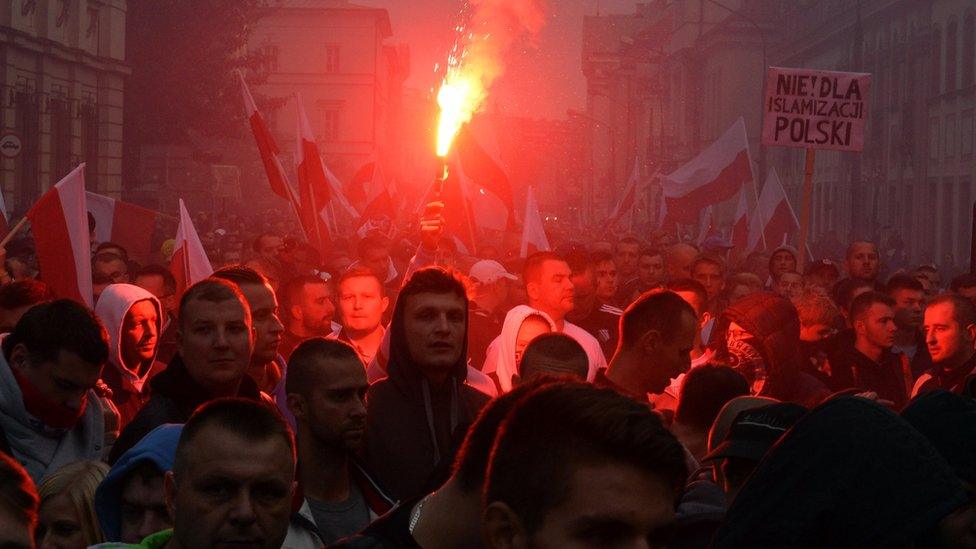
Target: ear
(858, 326)
(971, 330)
(17, 356)
(296, 312)
(169, 493)
(501, 528)
(650, 341)
(532, 290)
(296, 404)
(706, 317)
(386, 303)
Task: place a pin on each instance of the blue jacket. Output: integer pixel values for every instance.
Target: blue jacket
(159, 447)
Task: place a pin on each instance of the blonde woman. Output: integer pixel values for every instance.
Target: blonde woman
(67, 511)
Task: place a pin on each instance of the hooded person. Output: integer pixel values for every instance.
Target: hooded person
(522, 324)
(143, 465)
(133, 318)
(417, 415)
(848, 474)
(759, 336)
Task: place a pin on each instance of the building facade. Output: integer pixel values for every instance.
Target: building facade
(911, 188)
(335, 55)
(61, 92)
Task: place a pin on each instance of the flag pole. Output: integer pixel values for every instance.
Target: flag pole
(805, 211)
(13, 232)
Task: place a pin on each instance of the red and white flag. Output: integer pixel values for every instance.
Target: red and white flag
(313, 185)
(268, 149)
(714, 176)
(774, 215)
(533, 232)
(740, 227)
(190, 263)
(59, 222)
(483, 175)
(627, 201)
(126, 224)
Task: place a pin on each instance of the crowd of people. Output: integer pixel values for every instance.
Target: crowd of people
(399, 392)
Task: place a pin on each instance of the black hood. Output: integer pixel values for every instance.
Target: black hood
(849, 474)
(402, 370)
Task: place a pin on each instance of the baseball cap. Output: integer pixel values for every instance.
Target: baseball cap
(487, 271)
(755, 431)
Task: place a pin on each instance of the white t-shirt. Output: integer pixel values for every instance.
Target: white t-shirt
(590, 345)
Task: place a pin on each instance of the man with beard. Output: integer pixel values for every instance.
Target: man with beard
(326, 388)
(418, 413)
(267, 367)
(306, 301)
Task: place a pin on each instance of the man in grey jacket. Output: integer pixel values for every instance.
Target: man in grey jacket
(49, 414)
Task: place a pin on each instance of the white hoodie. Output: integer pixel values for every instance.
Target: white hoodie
(500, 357)
(112, 306)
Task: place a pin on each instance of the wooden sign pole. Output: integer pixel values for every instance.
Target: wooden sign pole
(805, 210)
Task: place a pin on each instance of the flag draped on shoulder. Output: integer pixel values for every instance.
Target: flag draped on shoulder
(189, 263)
(128, 225)
(314, 187)
(775, 220)
(268, 148)
(714, 176)
(59, 222)
(533, 232)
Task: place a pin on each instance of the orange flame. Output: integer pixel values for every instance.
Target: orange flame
(477, 59)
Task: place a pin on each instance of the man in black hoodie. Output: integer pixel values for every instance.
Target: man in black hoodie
(215, 345)
(417, 416)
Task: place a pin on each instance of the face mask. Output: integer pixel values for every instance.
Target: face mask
(51, 413)
(746, 359)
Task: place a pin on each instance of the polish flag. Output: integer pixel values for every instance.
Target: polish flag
(267, 148)
(486, 182)
(740, 227)
(313, 184)
(714, 176)
(629, 198)
(59, 222)
(126, 224)
(374, 191)
(533, 234)
(189, 264)
(336, 193)
(774, 214)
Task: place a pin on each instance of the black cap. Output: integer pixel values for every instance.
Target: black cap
(753, 432)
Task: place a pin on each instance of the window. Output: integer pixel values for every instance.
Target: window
(60, 137)
(950, 136)
(968, 50)
(332, 58)
(331, 124)
(935, 61)
(946, 213)
(951, 57)
(89, 142)
(966, 135)
(934, 138)
(963, 206)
